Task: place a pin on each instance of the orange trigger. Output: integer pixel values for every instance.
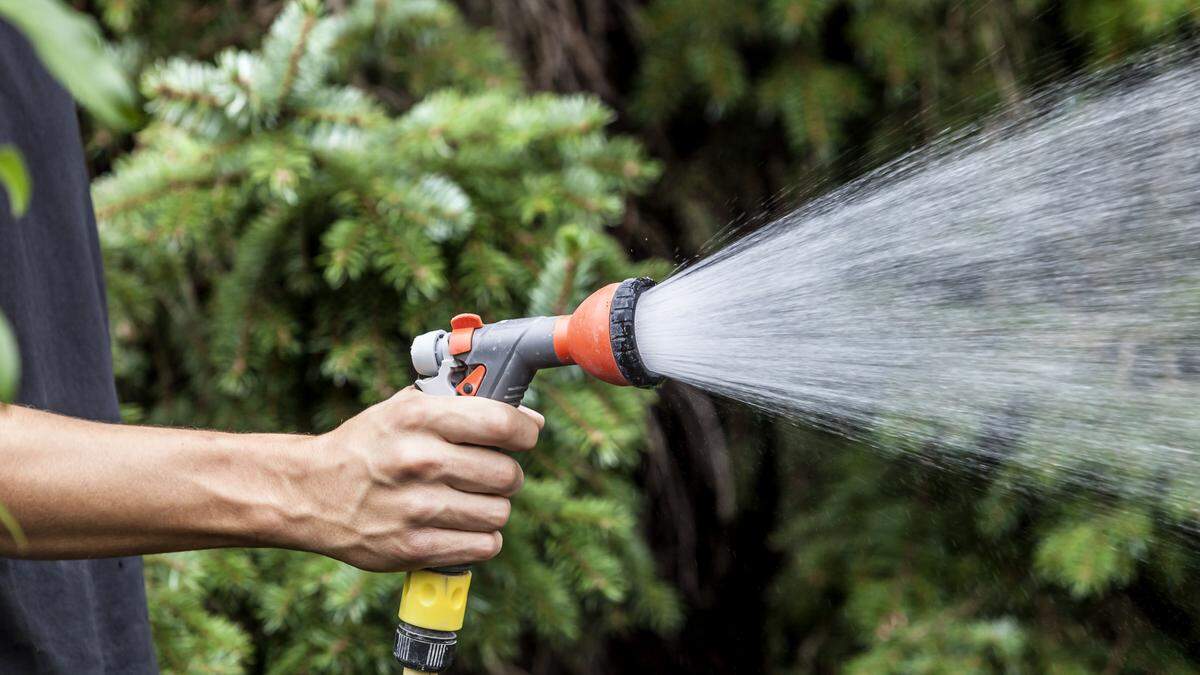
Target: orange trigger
(470, 384)
(462, 329)
(466, 321)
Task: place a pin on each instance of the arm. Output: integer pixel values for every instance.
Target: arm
(408, 483)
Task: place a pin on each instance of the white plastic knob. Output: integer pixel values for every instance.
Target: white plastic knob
(425, 352)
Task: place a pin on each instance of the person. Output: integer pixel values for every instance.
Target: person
(411, 482)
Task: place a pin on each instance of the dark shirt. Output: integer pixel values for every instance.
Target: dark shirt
(79, 616)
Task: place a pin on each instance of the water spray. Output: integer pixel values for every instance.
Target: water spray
(1023, 299)
(498, 361)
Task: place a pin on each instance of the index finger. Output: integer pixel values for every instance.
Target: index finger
(482, 421)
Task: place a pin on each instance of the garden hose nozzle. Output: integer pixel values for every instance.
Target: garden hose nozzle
(498, 361)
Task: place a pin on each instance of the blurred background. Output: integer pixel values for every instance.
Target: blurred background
(313, 183)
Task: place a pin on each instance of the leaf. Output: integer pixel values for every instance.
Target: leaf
(70, 45)
(10, 364)
(14, 528)
(15, 179)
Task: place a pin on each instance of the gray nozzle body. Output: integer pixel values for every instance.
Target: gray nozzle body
(513, 351)
(499, 360)
(510, 353)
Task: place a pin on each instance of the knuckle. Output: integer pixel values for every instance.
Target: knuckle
(415, 546)
(421, 506)
(492, 547)
(503, 513)
(514, 478)
(502, 425)
(412, 412)
(420, 463)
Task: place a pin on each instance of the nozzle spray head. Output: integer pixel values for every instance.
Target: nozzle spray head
(498, 360)
(599, 335)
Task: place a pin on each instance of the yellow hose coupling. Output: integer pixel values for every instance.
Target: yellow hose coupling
(432, 607)
(434, 600)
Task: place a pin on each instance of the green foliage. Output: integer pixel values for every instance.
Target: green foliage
(272, 249)
(1091, 553)
(943, 643)
(274, 243)
(70, 45)
(1118, 27)
(15, 179)
(10, 362)
(901, 562)
(13, 528)
(843, 80)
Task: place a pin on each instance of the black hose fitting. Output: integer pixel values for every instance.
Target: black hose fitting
(424, 650)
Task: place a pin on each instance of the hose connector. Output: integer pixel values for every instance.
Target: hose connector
(433, 606)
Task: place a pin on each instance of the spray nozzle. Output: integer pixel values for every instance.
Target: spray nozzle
(498, 360)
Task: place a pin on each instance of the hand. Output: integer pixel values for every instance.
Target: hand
(411, 482)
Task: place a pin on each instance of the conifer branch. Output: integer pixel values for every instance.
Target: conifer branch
(251, 159)
(113, 209)
(293, 62)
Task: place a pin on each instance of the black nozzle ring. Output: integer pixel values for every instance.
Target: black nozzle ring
(621, 332)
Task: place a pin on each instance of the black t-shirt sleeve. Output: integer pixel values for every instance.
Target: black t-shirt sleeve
(82, 616)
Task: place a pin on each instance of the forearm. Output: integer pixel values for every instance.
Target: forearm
(86, 489)
(410, 482)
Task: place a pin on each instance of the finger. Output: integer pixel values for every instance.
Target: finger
(438, 547)
(481, 421)
(473, 469)
(451, 509)
(537, 416)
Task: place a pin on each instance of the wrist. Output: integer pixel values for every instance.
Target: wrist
(270, 512)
